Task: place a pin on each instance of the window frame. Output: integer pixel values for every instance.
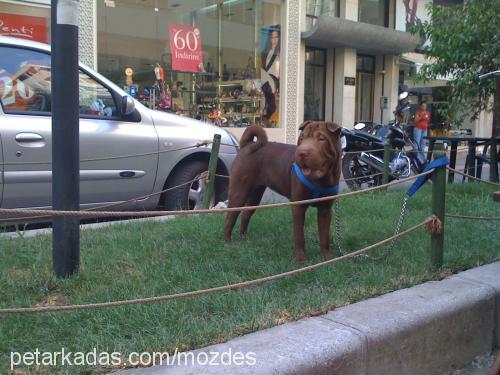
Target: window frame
(320, 65)
(387, 7)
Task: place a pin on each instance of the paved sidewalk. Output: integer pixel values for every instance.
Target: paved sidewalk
(432, 328)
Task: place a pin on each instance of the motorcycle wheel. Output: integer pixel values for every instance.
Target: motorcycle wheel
(351, 169)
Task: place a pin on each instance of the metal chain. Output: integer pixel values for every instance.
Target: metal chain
(338, 227)
(396, 230)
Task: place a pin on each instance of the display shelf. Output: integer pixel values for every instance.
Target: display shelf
(231, 106)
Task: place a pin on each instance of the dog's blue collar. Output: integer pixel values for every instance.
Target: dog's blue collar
(317, 191)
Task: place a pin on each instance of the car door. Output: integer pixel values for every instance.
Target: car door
(119, 156)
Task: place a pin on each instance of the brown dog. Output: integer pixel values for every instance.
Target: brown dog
(264, 164)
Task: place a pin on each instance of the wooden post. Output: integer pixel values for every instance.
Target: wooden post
(387, 159)
(496, 196)
(438, 203)
(212, 169)
(494, 161)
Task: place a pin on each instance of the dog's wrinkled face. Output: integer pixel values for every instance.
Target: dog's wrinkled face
(318, 148)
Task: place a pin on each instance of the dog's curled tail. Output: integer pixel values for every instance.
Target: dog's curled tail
(254, 131)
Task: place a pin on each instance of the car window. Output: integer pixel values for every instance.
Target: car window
(95, 99)
(24, 80)
(25, 85)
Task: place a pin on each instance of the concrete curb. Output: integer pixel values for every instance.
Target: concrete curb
(431, 328)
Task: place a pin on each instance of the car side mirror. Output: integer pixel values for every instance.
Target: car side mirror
(128, 105)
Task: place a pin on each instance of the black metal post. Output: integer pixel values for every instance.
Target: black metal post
(65, 136)
(471, 160)
(387, 159)
(494, 161)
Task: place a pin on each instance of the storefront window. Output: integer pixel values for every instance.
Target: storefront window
(217, 61)
(315, 80)
(375, 12)
(26, 21)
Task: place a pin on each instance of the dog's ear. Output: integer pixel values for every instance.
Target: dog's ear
(334, 128)
(304, 124)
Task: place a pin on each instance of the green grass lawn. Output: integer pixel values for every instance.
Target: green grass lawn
(149, 259)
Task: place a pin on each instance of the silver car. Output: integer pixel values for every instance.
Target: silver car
(126, 151)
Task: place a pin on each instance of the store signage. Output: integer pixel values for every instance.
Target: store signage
(350, 81)
(185, 45)
(25, 27)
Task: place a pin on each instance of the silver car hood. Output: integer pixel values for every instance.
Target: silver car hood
(171, 126)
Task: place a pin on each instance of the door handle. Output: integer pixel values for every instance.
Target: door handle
(30, 139)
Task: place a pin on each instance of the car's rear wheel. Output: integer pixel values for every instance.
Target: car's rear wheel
(190, 195)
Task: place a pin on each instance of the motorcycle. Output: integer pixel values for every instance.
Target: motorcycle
(363, 160)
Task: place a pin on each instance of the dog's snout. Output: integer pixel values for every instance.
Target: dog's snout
(303, 152)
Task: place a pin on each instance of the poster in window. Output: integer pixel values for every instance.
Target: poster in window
(25, 27)
(270, 73)
(185, 45)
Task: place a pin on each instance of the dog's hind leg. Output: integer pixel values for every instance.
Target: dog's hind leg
(253, 200)
(237, 198)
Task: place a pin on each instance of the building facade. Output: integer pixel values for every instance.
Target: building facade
(241, 62)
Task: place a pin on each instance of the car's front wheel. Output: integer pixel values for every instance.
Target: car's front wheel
(192, 187)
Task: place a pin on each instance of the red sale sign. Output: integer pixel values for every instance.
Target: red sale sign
(185, 45)
(26, 27)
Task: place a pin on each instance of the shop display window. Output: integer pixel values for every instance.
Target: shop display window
(216, 61)
(25, 21)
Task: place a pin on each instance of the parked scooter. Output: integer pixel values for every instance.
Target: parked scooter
(362, 166)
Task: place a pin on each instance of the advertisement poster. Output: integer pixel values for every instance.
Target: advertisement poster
(25, 27)
(185, 45)
(270, 72)
(411, 13)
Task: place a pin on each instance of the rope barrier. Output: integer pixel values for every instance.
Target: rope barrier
(342, 180)
(456, 216)
(10, 211)
(472, 177)
(407, 151)
(360, 151)
(362, 177)
(203, 175)
(244, 284)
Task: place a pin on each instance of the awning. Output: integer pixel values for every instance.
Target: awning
(337, 32)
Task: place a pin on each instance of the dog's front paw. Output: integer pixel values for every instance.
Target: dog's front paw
(328, 255)
(300, 259)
